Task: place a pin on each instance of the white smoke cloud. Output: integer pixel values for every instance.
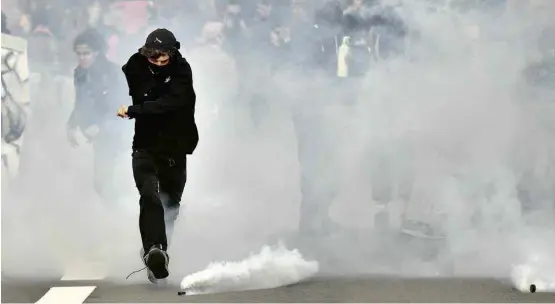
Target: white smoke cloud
(456, 116)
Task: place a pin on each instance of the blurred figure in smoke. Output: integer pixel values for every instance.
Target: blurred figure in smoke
(327, 28)
(98, 89)
(160, 84)
(299, 43)
(383, 34)
(387, 31)
(173, 14)
(217, 67)
(354, 53)
(254, 61)
(373, 33)
(128, 22)
(103, 20)
(42, 44)
(536, 188)
(542, 72)
(235, 28)
(25, 25)
(5, 29)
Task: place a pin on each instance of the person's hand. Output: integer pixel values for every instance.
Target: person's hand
(72, 137)
(122, 112)
(91, 132)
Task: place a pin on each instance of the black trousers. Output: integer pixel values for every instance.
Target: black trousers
(160, 180)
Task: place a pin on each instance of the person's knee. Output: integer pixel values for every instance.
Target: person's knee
(149, 189)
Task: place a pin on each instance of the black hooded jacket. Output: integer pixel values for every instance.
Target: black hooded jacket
(163, 106)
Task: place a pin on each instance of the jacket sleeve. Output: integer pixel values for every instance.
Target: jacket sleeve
(113, 94)
(181, 94)
(77, 111)
(128, 79)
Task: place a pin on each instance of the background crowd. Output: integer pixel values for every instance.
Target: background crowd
(260, 41)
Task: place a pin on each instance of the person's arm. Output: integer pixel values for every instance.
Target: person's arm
(113, 93)
(73, 117)
(128, 79)
(182, 94)
(77, 111)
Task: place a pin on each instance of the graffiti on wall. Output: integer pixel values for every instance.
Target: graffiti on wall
(15, 100)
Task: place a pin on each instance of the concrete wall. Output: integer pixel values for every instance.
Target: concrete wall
(15, 101)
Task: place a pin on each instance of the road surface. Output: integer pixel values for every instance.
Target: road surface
(321, 290)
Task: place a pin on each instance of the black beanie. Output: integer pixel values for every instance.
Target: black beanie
(162, 39)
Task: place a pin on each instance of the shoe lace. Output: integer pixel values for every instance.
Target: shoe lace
(137, 271)
(134, 272)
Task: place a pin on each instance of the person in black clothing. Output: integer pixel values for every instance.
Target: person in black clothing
(161, 87)
(98, 85)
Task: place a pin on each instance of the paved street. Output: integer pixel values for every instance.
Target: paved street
(316, 290)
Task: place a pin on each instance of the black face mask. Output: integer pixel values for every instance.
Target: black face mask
(156, 70)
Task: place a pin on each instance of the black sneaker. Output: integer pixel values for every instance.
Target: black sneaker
(157, 260)
(149, 273)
